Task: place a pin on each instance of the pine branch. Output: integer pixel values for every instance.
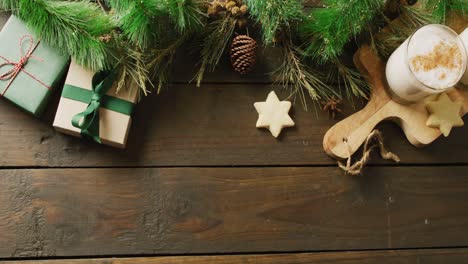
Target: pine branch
(9, 5)
(275, 15)
(163, 58)
(300, 78)
(398, 30)
(131, 65)
(74, 27)
(141, 20)
(328, 30)
(139, 23)
(186, 14)
(349, 80)
(120, 5)
(440, 8)
(89, 35)
(216, 41)
(158, 29)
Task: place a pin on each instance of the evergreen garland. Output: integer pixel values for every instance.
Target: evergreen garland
(129, 38)
(140, 38)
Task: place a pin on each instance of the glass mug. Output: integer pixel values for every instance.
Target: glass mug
(431, 61)
(464, 38)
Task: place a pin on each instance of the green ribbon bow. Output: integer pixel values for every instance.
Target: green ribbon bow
(88, 120)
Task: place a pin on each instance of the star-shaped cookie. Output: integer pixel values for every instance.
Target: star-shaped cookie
(445, 114)
(273, 114)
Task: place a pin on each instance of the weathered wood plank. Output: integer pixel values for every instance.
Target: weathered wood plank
(429, 256)
(89, 212)
(187, 126)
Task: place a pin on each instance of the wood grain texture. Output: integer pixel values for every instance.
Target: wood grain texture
(432, 256)
(210, 126)
(105, 212)
(75, 212)
(187, 126)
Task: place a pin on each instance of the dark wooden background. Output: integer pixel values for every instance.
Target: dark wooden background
(200, 184)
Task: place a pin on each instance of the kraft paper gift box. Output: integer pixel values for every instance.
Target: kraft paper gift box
(29, 69)
(114, 113)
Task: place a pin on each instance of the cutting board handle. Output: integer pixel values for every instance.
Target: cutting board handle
(345, 138)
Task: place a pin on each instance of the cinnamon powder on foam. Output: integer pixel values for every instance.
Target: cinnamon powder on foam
(444, 55)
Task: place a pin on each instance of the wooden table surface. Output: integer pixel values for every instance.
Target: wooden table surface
(200, 184)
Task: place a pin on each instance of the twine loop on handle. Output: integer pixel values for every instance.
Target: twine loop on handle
(358, 166)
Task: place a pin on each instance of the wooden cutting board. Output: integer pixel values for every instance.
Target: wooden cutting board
(345, 138)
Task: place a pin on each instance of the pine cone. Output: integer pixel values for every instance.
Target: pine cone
(243, 53)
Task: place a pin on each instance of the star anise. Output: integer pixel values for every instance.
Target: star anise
(333, 107)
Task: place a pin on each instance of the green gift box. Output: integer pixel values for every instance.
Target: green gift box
(29, 69)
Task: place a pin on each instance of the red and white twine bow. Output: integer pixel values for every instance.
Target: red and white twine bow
(19, 66)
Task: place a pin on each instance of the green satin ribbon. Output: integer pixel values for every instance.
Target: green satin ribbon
(88, 120)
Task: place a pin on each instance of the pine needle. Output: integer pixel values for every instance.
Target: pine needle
(302, 80)
(275, 15)
(120, 5)
(162, 58)
(328, 30)
(349, 80)
(397, 31)
(187, 14)
(138, 23)
(74, 27)
(219, 33)
(440, 8)
(141, 20)
(9, 4)
(131, 66)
